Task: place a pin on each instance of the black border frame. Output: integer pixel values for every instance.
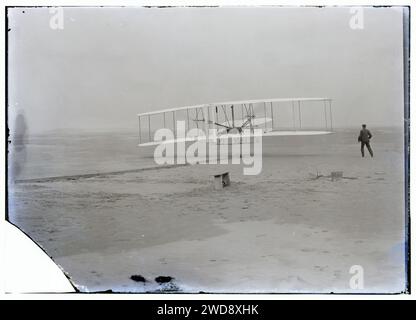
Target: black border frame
(406, 91)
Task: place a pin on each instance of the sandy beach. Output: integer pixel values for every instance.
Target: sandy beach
(289, 229)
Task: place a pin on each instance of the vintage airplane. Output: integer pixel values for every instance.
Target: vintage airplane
(232, 119)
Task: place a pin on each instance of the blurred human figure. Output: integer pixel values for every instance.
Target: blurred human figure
(17, 146)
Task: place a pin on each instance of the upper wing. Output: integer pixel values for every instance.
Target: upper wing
(171, 110)
(229, 103)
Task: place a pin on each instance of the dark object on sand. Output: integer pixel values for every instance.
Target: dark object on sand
(221, 180)
(107, 291)
(163, 279)
(138, 278)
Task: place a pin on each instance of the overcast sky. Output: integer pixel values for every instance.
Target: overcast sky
(109, 64)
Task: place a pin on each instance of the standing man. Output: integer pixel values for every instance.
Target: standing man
(364, 138)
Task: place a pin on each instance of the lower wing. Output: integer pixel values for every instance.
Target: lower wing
(227, 136)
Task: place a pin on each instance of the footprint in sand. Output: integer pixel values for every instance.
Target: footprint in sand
(320, 268)
(337, 274)
(96, 273)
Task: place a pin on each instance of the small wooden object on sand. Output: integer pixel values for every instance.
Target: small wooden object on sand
(221, 180)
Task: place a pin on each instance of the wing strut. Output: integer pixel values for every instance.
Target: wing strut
(148, 118)
(293, 115)
(330, 112)
(140, 132)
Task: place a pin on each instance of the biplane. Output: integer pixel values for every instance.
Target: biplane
(236, 119)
